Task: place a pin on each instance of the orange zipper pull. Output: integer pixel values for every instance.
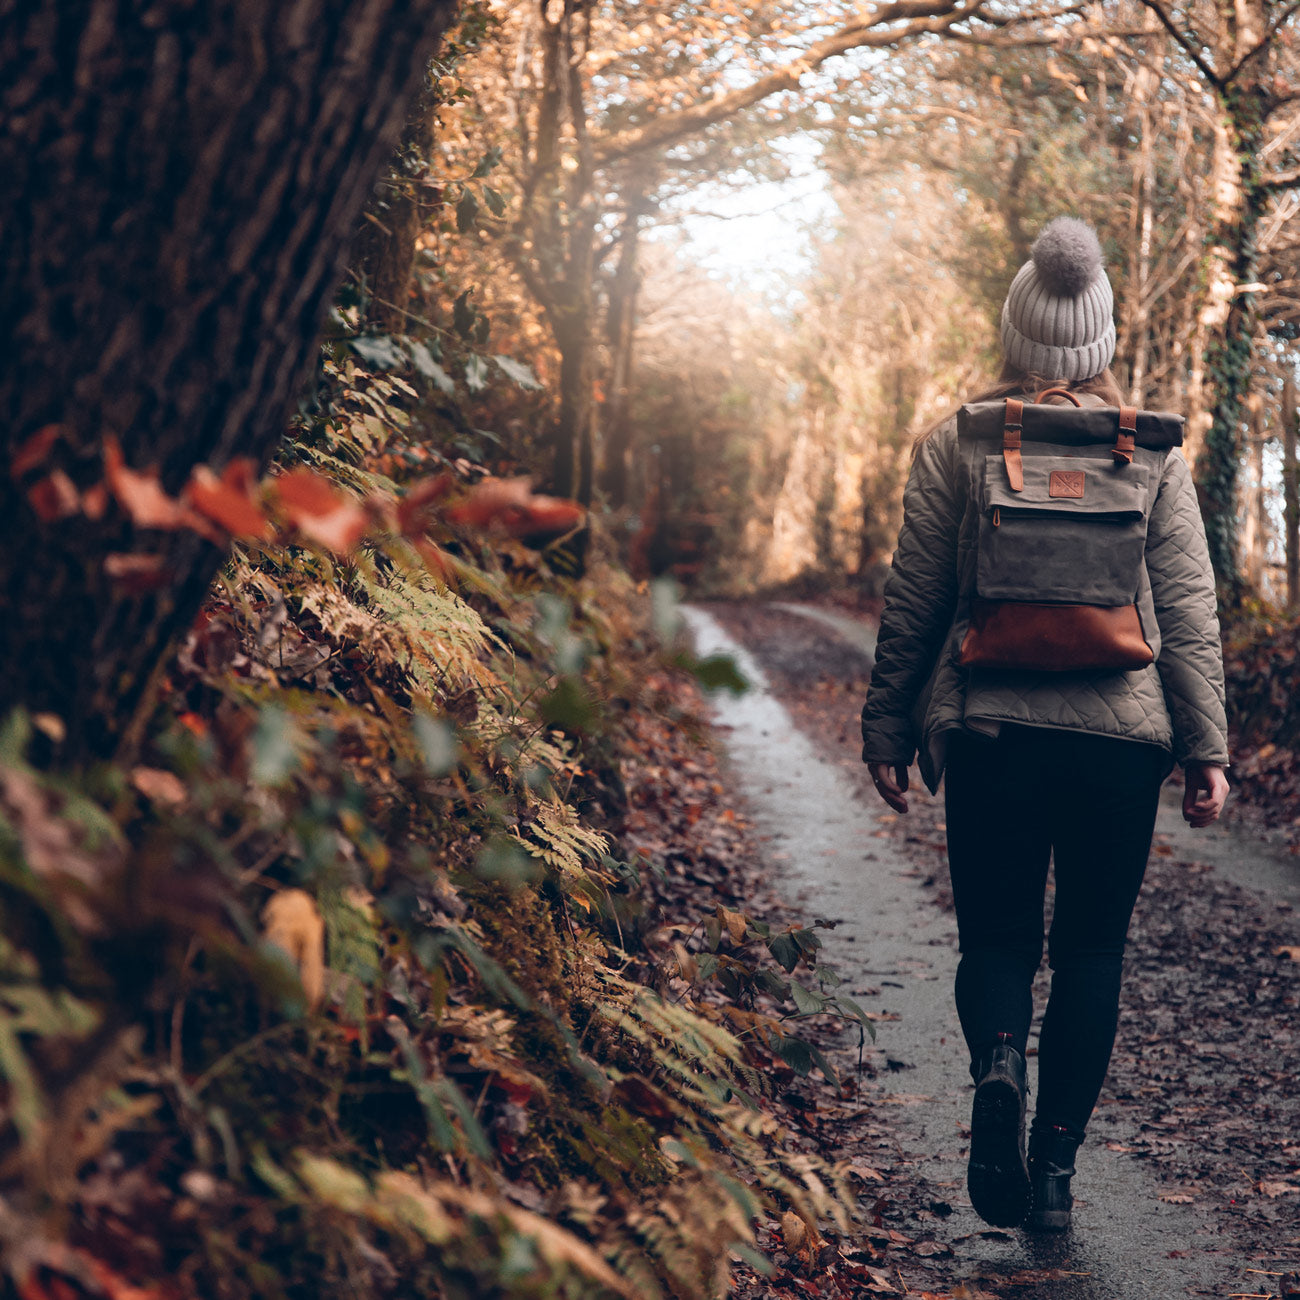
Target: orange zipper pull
(997, 516)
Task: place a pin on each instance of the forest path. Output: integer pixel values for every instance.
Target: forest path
(841, 855)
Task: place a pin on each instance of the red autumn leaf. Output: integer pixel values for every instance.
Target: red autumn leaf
(230, 500)
(94, 501)
(436, 560)
(141, 495)
(414, 513)
(320, 511)
(509, 505)
(35, 450)
(136, 574)
(54, 497)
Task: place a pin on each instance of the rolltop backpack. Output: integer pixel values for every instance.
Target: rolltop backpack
(1064, 494)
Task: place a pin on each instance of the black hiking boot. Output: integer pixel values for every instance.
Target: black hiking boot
(997, 1176)
(1051, 1166)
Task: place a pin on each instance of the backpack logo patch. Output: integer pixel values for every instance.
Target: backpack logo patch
(1065, 483)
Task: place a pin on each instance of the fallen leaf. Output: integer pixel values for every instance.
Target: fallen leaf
(736, 924)
(320, 511)
(229, 501)
(35, 450)
(1175, 1198)
(508, 505)
(1273, 1189)
(141, 495)
(54, 497)
(415, 514)
(292, 921)
(158, 785)
(1291, 951)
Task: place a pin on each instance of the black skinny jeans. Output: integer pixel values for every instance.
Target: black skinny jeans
(1089, 803)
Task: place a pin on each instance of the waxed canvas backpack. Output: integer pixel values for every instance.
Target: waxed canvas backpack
(1064, 494)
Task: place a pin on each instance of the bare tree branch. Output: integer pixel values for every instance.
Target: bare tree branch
(1186, 43)
(875, 31)
(1281, 180)
(1264, 41)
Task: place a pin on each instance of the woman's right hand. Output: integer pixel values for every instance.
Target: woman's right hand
(890, 781)
(1206, 789)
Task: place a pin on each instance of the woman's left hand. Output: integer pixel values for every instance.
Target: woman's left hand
(1206, 789)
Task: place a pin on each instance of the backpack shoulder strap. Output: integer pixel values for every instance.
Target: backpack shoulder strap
(1011, 428)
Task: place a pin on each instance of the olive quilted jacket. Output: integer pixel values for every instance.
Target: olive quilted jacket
(919, 693)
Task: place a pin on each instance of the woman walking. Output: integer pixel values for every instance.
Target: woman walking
(1049, 749)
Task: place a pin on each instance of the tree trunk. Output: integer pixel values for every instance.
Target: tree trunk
(621, 332)
(1228, 318)
(398, 211)
(181, 183)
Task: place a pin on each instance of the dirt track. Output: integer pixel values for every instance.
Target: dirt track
(1189, 1183)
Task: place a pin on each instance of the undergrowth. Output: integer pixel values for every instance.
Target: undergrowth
(342, 983)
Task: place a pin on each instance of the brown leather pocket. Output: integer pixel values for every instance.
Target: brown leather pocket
(1054, 638)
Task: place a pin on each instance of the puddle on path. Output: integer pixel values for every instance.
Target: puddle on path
(892, 937)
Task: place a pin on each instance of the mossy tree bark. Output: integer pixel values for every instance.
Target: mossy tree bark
(181, 183)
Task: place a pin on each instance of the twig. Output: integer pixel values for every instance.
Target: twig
(1185, 42)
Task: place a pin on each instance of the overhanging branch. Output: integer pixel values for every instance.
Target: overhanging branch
(920, 17)
(1186, 44)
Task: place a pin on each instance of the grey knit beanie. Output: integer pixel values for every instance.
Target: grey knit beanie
(1057, 320)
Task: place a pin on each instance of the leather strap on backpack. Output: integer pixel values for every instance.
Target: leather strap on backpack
(1011, 427)
(1126, 439)
(1057, 392)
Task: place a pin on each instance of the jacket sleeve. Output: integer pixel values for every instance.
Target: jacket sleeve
(920, 595)
(1182, 585)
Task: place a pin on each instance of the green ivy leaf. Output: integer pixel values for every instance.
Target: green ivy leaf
(521, 373)
(467, 210)
(784, 951)
(426, 366)
(487, 163)
(462, 314)
(806, 1002)
(496, 204)
(475, 373)
(379, 350)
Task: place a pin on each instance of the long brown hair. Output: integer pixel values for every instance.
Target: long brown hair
(1013, 382)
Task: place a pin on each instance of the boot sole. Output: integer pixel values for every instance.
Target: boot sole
(997, 1176)
(1048, 1221)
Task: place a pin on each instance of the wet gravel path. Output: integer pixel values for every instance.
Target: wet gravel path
(1189, 1183)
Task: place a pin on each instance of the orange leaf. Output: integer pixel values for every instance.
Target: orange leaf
(319, 511)
(229, 500)
(413, 510)
(158, 785)
(436, 560)
(141, 495)
(508, 504)
(292, 921)
(94, 501)
(54, 497)
(34, 450)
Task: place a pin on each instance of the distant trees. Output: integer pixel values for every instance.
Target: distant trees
(604, 109)
(181, 183)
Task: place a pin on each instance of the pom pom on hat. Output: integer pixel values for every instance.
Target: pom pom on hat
(1067, 256)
